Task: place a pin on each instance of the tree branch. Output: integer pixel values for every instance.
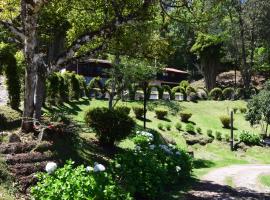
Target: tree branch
(14, 30)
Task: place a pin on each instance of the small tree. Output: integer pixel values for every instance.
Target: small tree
(259, 109)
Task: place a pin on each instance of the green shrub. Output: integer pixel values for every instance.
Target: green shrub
(218, 135)
(210, 133)
(138, 111)
(161, 113)
(109, 125)
(227, 137)
(63, 88)
(192, 97)
(185, 116)
(216, 94)
(9, 118)
(250, 138)
(228, 93)
(52, 89)
(190, 128)
(168, 127)
(77, 183)
(124, 109)
(190, 89)
(199, 130)
(178, 126)
(243, 110)
(147, 173)
(141, 140)
(160, 126)
(225, 120)
(184, 84)
(75, 89)
(235, 109)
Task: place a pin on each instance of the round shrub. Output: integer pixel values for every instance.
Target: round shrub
(161, 113)
(235, 110)
(225, 120)
(9, 118)
(192, 97)
(178, 126)
(243, 110)
(218, 135)
(77, 183)
(190, 128)
(199, 130)
(138, 111)
(109, 125)
(168, 127)
(210, 133)
(240, 93)
(147, 172)
(160, 126)
(124, 109)
(75, 89)
(184, 84)
(216, 94)
(185, 116)
(250, 138)
(228, 93)
(52, 88)
(190, 89)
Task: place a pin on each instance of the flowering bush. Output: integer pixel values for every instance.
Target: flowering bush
(78, 183)
(143, 138)
(149, 170)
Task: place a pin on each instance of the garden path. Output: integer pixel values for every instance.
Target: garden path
(3, 91)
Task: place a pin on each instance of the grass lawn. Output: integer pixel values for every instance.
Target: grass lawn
(265, 180)
(205, 115)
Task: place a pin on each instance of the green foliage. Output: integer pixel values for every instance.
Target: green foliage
(240, 93)
(148, 172)
(109, 125)
(243, 110)
(52, 89)
(199, 130)
(192, 97)
(9, 118)
(185, 116)
(250, 138)
(138, 111)
(210, 133)
(72, 182)
(168, 127)
(160, 126)
(227, 137)
(225, 120)
(228, 93)
(190, 128)
(218, 135)
(184, 84)
(235, 109)
(124, 109)
(190, 89)
(161, 113)
(216, 94)
(178, 126)
(75, 89)
(167, 88)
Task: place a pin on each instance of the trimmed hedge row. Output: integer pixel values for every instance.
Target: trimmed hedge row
(9, 118)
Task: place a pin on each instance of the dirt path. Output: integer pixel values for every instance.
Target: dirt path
(243, 178)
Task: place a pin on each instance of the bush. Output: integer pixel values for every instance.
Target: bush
(52, 88)
(184, 84)
(185, 116)
(123, 109)
(210, 133)
(75, 89)
(250, 138)
(227, 137)
(218, 135)
(243, 110)
(110, 125)
(178, 126)
(216, 94)
(77, 183)
(199, 130)
(161, 113)
(190, 128)
(240, 93)
(160, 126)
(228, 93)
(168, 127)
(225, 120)
(192, 97)
(9, 118)
(235, 110)
(138, 111)
(147, 173)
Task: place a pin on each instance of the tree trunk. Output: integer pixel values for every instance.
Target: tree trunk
(210, 68)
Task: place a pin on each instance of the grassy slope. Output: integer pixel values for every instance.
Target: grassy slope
(205, 115)
(265, 180)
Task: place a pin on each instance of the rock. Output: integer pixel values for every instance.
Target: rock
(13, 138)
(197, 139)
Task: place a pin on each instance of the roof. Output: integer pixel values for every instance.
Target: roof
(97, 61)
(168, 69)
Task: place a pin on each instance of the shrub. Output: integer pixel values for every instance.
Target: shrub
(199, 130)
(192, 97)
(52, 88)
(160, 126)
(147, 173)
(218, 135)
(190, 128)
(227, 137)
(225, 120)
(190, 90)
(185, 116)
(143, 138)
(235, 110)
(75, 89)
(240, 93)
(161, 113)
(210, 133)
(9, 118)
(110, 125)
(228, 93)
(184, 84)
(216, 94)
(243, 110)
(138, 111)
(77, 183)
(250, 138)
(168, 127)
(124, 109)
(178, 126)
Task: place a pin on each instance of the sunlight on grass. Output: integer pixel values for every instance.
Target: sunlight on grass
(265, 180)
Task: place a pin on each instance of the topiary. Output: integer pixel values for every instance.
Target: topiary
(218, 135)
(192, 97)
(124, 109)
(210, 133)
(138, 111)
(160, 126)
(185, 116)
(216, 94)
(190, 128)
(199, 130)
(52, 89)
(184, 84)
(168, 127)
(9, 118)
(243, 110)
(240, 93)
(75, 90)
(228, 93)
(225, 120)
(161, 113)
(178, 126)
(109, 125)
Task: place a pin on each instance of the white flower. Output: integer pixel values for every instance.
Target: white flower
(152, 146)
(89, 169)
(99, 168)
(178, 169)
(50, 167)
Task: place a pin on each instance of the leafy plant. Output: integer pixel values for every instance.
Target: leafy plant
(228, 93)
(250, 138)
(178, 126)
(216, 94)
(124, 109)
(9, 118)
(225, 120)
(160, 126)
(161, 113)
(138, 111)
(235, 109)
(243, 110)
(218, 135)
(199, 130)
(185, 116)
(168, 127)
(227, 137)
(190, 128)
(210, 133)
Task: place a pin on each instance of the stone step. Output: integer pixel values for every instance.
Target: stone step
(17, 148)
(25, 169)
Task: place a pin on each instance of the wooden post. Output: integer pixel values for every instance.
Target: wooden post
(232, 146)
(144, 104)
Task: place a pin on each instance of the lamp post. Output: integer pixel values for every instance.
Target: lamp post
(144, 103)
(232, 147)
